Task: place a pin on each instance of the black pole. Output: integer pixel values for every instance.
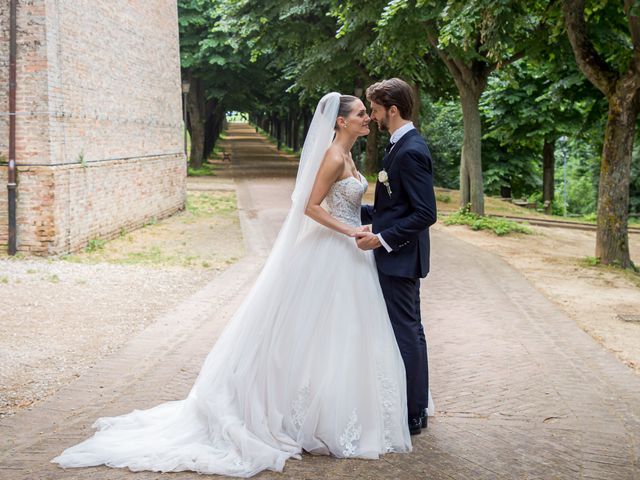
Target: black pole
(11, 177)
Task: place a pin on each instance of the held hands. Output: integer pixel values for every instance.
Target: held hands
(354, 232)
(364, 238)
(367, 240)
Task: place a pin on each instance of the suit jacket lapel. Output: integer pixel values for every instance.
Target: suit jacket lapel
(388, 160)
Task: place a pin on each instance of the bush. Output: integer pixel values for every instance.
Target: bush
(499, 226)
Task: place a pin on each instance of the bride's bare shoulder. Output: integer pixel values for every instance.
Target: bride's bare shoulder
(333, 157)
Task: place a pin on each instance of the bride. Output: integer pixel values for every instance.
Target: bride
(308, 362)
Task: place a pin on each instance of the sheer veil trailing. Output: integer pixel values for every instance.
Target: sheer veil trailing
(232, 422)
(297, 224)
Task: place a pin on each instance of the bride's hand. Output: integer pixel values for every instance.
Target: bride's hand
(354, 231)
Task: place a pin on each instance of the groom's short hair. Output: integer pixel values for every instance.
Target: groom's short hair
(393, 91)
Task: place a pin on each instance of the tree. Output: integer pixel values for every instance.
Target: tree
(605, 38)
(301, 41)
(472, 39)
(527, 107)
(220, 74)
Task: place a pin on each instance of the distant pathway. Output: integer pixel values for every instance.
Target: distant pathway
(520, 391)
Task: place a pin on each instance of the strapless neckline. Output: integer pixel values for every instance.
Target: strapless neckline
(351, 176)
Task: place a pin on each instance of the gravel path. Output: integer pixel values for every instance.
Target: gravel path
(59, 318)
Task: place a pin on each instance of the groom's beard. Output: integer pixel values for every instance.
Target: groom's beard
(382, 124)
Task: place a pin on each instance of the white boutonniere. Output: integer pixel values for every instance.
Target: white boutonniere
(383, 178)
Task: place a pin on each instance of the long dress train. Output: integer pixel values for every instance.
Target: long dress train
(317, 370)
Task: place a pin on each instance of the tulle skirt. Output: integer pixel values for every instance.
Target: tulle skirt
(309, 362)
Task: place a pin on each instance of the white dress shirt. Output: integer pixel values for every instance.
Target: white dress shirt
(395, 136)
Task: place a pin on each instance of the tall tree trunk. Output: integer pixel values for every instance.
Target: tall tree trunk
(612, 241)
(471, 80)
(197, 118)
(296, 132)
(623, 94)
(279, 132)
(471, 183)
(287, 129)
(214, 127)
(548, 171)
(372, 162)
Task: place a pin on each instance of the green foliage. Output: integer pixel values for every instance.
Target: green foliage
(442, 128)
(95, 245)
(591, 261)
(609, 32)
(279, 57)
(499, 226)
(634, 187)
(582, 174)
(207, 170)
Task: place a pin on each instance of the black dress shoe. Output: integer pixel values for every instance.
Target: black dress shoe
(423, 418)
(415, 425)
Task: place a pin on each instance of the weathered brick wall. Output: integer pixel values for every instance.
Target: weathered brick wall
(31, 96)
(100, 141)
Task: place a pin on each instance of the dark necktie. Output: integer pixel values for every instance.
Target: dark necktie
(389, 147)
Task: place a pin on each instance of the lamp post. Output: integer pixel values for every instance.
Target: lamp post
(563, 140)
(185, 92)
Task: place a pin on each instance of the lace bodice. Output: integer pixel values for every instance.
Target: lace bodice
(344, 199)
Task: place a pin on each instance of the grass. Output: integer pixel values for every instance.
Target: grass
(154, 251)
(95, 245)
(632, 274)
(201, 204)
(498, 226)
(443, 197)
(497, 206)
(492, 205)
(207, 170)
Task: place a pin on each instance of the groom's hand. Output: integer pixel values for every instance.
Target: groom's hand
(367, 241)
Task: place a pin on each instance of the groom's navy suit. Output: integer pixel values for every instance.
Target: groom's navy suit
(403, 221)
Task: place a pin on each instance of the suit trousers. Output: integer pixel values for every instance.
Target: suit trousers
(402, 296)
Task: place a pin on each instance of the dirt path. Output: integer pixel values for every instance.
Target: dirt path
(520, 390)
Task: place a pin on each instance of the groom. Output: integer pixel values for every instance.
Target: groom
(402, 212)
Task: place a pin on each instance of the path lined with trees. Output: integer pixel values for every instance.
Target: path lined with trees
(508, 92)
(520, 390)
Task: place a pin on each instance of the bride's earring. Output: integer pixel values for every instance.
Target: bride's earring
(345, 125)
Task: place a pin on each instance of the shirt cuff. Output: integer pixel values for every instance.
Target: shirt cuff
(384, 244)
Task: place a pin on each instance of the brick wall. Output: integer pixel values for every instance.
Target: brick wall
(99, 144)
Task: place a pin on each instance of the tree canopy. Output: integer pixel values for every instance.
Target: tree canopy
(506, 90)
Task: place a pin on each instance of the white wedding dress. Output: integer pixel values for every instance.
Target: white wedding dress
(309, 362)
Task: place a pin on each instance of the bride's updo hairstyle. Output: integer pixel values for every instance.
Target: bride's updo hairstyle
(346, 104)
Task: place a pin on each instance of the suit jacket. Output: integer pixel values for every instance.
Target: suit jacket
(403, 219)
